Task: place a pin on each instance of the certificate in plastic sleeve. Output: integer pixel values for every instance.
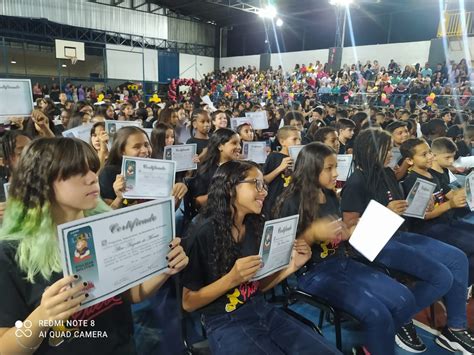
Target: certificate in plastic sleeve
(183, 155)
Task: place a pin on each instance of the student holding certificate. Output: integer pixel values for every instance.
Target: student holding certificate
(133, 142)
(331, 274)
(55, 183)
(433, 263)
(223, 250)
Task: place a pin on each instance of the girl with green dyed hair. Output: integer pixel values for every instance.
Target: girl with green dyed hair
(56, 182)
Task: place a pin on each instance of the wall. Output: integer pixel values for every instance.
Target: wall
(132, 63)
(289, 59)
(82, 13)
(457, 52)
(194, 66)
(402, 53)
(242, 61)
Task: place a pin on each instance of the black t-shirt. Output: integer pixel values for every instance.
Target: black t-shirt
(464, 150)
(321, 250)
(416, 223)
(443, 179)
(202, 182)
(454, 132)
(201, 143)
(276, 187)
(107, 178)
(199, 272)
(355, 195)
(20, 298)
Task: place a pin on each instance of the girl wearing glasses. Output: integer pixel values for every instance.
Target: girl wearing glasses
(223, 251)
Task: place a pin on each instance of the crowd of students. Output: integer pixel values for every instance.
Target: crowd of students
(224, 203)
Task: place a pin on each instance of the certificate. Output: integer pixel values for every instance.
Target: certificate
(237, 121)
(396, 156)
(419, 198)
(82, 132)
(183, 155)
(258, 118)
(148, 178)
(375, 228)
(111, 127)
(117, 250)
(469, 186)
(255, 151)
(276, 245)
(344, 166)
(294, 150)
(17, 97)
(6, 187)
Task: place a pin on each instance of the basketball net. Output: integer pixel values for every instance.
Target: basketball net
(73, 60)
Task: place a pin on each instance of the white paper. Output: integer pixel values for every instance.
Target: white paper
(255, 151)
(82, 132)
(277, 244)
(237, 121)
(344, 166)
(396, 156)
(452, 177)
(375, 228)
(419, 198)
(183, 155)
(148, 132)
(112, 127)
(464, 162)
(259, 119)
(207, 100)
(6, 187)
(16, 98)
(293, 151)
(117, 250)
(469, 186)
(148, 178)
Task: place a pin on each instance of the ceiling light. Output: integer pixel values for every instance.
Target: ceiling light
(13, 62)
(64, 66)
(279, 22)
(341, 2)
(268, 12)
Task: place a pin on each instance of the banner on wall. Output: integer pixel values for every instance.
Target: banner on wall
(17, 98)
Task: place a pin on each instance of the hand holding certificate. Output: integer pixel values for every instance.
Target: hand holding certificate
(117, 250)
(148, 178)
(469, 186)
(375, 228)
(183, 155)
(276, 245)
(344, 166)
(294, 150)
(255, 151)
(419, 198)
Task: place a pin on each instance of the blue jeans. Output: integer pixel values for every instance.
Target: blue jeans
(380, 303)
(258, 328)
(441, 271)
(456, 233)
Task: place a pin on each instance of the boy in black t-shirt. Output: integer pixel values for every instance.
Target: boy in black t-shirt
(439, 223)
(278, 167)
(345, 128)
(400, 133)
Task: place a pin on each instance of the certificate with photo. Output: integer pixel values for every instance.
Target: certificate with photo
(344, 166)
(419, 198)
(276, 245)
(117, 250)
(294, 150)
(183, 155)
(469, 186)
(255, 151)
(111, 127)
(237, 121)
(82, 132)
(148, 178)
(258, 118)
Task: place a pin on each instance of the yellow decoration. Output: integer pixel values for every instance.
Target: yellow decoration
(155, 99)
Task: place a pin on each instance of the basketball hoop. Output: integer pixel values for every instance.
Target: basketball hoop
(73, 60)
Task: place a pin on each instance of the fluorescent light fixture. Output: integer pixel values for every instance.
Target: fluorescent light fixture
(64, 66)
(13, 62)
(279, 22)
(268, 12)
(341, 2)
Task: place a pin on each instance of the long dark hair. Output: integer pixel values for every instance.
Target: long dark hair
(120, 141)
(371, 147)
(305, 183)
(220, 209)
(212, 155)
(158, 140)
